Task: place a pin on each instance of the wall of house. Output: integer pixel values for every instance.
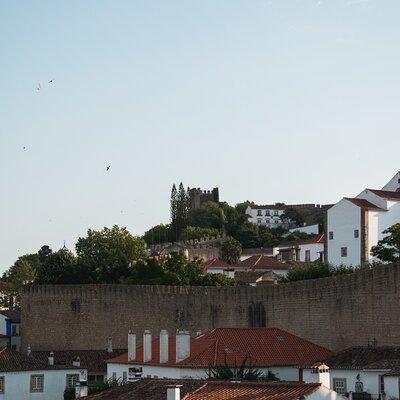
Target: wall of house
(315, 251)
(17, 385)
(335, 312)
(394, 184)
(310, 229)
(392, 387)
(323, 393)
(343, 218)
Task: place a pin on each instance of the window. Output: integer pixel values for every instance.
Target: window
(1, 384)
(259, 213)
(14, 331)
(356, 233)
(381, 384)
(37, 383)
(276, 212)
(124, 376)
(308, 255)
(267, 213)
(268, 221)
(330, 235)
(114, 376)
(339, 385)
(94, 379)
(343, 251)
(72, 379)
(277, 221)
(259, 221)
(359, 387)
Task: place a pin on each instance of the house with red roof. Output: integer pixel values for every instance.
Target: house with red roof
(262, 263)
(181, 356)
(218, 266)
(356, 224)
(303, 250)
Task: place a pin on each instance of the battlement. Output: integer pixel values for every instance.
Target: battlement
(335, 312)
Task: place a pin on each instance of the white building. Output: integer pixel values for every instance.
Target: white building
(269, 216)
(304, 250)
(183, 357)
(10, 321)
(309, 229)
(360, 372)
(24, 377)
(262, 263)
(355, 225)
(218, 266)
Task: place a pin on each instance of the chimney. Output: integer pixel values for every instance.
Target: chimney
(146, 346)
(163, 346)
(51, 358)
(76, 362)
(109, 345)
(174, 392)
(182, 345)
(131, 346)
(28, 350)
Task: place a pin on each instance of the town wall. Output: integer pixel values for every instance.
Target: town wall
(335, 312)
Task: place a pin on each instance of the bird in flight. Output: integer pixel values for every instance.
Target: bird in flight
(51, 81)
(24, 148)
(39, 87)
(108, 167)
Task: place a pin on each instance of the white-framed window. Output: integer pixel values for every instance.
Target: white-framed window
(356, 233)
(114, 376)
(343, 251)
(267, 213)
(340, 385)
(72, 379)
(37, 383)
(277, 221)
(268, 221)
(124, 376)
(259, 213)
(308, 255)
(330, 235)
(259, 221)
(276, 212)
(2, 384)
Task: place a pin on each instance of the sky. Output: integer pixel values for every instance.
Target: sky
(291, 101)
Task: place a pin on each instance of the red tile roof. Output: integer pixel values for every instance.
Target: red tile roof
(386, 194)
(261, 262)
(252, 391)
(365, 204)
(215, 263)
(156, 389)
(260, 347)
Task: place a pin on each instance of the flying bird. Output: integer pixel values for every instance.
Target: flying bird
(39, 87)
(51, 81)
(108, 167)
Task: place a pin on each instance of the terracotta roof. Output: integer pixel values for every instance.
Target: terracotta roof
(317, 239)
(252, 391)
(386, 194)
(361, 357)
(365, 204)
(261, 347)
(215, 263)
(257, 250)
(11, 360)
(156, 389)
(261, 262)
(93, 360)
(13, 315)
(269, 207)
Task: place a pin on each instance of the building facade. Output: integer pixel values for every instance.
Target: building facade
(355, 225)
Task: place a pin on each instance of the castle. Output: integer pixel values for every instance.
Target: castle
(199, 197)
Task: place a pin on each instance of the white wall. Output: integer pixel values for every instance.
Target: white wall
(343, 218)
(315, 249)
(392, 387)
(324, 393)
(17, 385)
(283, 373)
(2, 324)
(393, 184)
(310, 229)
(274, 220)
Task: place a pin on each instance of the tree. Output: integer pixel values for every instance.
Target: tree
(112, 252)
(248, 235)
(195, 232)
(158, 234)
(174, 203)
(58, 268)
(292, 216)
(388, 249)
(231, 250)
(211, 215)
(44, 252)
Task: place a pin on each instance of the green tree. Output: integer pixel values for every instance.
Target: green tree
(158, 234)
(112, 252)
(388, 249)
(195, 232)
(231, 250)
(58, 268)
(174, 203)
(248, 235)
(292, 215)
(211, 215)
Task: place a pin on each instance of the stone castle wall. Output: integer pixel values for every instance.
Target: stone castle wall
(335, 312)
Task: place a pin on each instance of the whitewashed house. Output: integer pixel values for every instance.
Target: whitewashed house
(25, 377)
(183, 357)
(362, 373)
(218, 266)
(309, 229)
(10, 321)
(269, 216)
(304, 250)
(355, 225)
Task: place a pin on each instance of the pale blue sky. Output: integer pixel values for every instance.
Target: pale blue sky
(280, 100)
